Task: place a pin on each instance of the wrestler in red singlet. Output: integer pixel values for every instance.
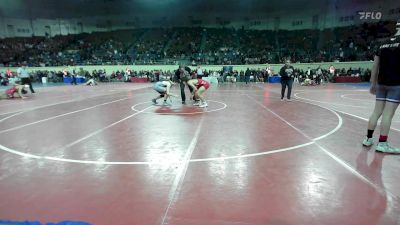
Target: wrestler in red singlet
(202, 83)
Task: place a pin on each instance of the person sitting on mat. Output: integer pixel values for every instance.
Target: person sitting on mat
(199, 86)
(17, 88)
(163, 87)
(91, 82)
(307, 82)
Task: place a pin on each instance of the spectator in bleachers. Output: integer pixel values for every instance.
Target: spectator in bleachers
(247, 75)
(3, 79)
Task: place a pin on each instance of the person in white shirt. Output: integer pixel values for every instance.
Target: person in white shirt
(318, 74)
(199, 72)
(332, 70)
(268, 73)
(308, 73)
(127, 75)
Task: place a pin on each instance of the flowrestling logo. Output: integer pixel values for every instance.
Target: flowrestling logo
(398, 29)
(370, 15)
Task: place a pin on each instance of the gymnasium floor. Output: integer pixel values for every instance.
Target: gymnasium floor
(106, 156)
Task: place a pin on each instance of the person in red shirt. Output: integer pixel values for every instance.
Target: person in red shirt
(9, 73)
(199, 87)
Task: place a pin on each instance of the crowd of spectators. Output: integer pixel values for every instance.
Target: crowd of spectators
(315, 74)
(185, 43)
(205, 46)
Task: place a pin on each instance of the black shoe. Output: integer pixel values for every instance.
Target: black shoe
(183, 103)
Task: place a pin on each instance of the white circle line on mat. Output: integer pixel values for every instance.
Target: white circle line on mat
(181, 113)
(101, 162)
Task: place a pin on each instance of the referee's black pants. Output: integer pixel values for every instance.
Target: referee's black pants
(183, 96)
(289, 84)
(27, 80)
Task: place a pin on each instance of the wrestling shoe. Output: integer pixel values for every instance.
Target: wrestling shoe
(203, 105)
(368, 141)
(386, 148)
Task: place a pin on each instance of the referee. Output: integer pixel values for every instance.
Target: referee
(25, 78)
(182, 75)
(287, 78)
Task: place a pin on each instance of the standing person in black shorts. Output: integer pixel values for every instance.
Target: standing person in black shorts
(25, 77)
(385, 84)
(287, 77)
